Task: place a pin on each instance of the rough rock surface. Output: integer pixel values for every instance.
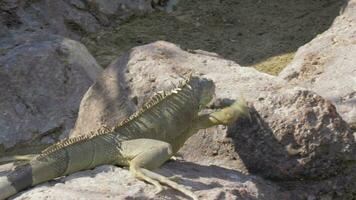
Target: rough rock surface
(294, 133)
(106, 101)
(327, 66)
(109, 182)
(42, 80)
(341, 187)
(69, 18)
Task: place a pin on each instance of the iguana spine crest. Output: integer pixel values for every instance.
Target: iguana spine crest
(154, 100)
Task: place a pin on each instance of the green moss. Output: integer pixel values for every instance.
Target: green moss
(275, 64)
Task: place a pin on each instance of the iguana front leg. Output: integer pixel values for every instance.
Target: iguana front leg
(145, 155)
(224, 116)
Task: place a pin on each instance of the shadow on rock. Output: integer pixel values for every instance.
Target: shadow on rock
(283, 153)
(107, 101)
(229, 182)
(258, 148)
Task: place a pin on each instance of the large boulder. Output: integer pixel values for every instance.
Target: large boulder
(109, 182)
(327, 66)
(69, 18)
(42, 80)
(294, 133)
(65, 18)
(113, 7)
(340, 187)
(104, 104)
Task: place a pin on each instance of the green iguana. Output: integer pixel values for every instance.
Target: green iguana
(142, 142)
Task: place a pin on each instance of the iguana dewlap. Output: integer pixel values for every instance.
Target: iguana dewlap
(143, 142)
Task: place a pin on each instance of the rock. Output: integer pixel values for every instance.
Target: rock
(326, 65)
(42, 80)
(294, 133)
(105, 103)
(297, 135)
(108, 7)
(110, 11)
(340, 187)
(3, 31)
(57, 17)
(136, 5)
(78, 4)
(69, 18)
(109, 182)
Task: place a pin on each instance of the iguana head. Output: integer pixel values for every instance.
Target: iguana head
(204, 90)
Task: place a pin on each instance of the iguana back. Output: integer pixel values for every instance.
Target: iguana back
(144, 141)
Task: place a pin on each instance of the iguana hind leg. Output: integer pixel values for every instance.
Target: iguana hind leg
(169, 182)
(148, 154)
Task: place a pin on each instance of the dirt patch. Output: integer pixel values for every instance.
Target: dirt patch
(251, 32)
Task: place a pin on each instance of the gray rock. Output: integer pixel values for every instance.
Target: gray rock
(110, 7)
(58, 17)
(78, 4)
(42, 80)
(327, 66)
(294, 132)
(340, 187)
(69, 18)
(109, 182)
(105, 103)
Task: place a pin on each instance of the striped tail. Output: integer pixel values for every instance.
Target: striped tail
(59, 161)
(15, 181)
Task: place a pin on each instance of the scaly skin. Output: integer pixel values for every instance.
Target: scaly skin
(143, 142)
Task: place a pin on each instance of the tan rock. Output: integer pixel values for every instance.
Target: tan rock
(326, 65)
(109, 182)
(294, 132)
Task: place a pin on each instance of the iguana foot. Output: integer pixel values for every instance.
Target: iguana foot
(138, 172)
(225, 116)
(159, 189)
(172, 184)
(231, 113)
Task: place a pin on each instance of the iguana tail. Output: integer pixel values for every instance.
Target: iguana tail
(32, 173)
(15, 181)
(61, 159)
